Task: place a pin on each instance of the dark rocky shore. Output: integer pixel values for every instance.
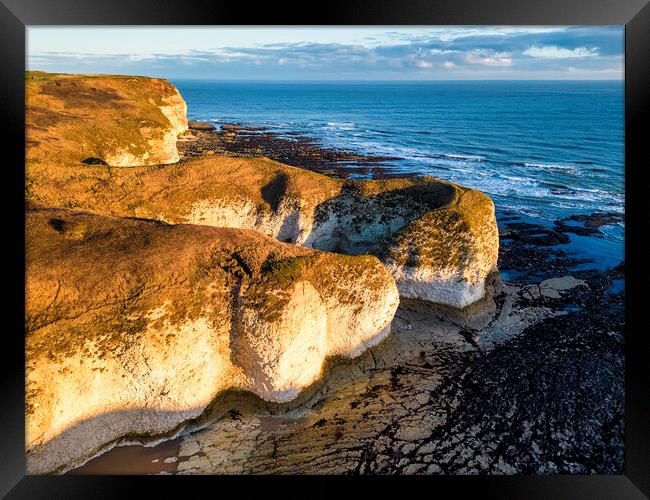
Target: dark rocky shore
(535, 387)
(292, 149)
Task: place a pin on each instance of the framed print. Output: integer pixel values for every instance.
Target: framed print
(376, 240)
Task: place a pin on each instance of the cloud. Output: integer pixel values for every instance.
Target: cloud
(555, 52)
(487, 58)
(453, 33)
(473, 52)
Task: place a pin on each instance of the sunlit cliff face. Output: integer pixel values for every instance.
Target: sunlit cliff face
(134, 327)
(118, 120)
(151, 322)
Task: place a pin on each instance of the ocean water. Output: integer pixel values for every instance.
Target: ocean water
(543, 149)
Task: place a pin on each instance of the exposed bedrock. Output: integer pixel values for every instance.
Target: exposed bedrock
(134, 327)
(114, 120)
(438, 239)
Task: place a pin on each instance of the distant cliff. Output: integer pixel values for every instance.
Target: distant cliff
(116, 120)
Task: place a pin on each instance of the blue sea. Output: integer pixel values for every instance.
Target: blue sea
(542, 149)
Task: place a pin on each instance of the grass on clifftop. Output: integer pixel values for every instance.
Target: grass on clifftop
(71, 117)
(45, 76)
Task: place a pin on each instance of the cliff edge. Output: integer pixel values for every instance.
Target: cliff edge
(134, 327)
(439, 239)
(110, 119)
(154, 288)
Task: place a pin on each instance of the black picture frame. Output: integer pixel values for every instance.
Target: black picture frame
(15, 15)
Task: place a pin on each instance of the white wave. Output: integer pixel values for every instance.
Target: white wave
(340, 125)
(552, 166)
(457, 156)
(517, 179)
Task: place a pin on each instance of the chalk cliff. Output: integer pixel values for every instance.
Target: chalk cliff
(439, 239)
(153, 289)
(134, 327)
(119, 120)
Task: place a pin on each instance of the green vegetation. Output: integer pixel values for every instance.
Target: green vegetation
(45, 76)
(283, 272)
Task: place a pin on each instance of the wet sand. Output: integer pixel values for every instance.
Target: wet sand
(134, 459)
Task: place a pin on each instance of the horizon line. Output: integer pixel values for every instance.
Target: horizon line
(394, 80)
(332, 80)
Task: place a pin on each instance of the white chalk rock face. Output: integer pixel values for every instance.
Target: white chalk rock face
(286, 355)
(174, 108)
(439, 240)
(446, 255)
(158, 136)
(134, 327)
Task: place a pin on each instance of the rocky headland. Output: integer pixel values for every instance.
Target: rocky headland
(136, 326)
(114, 120)
(438, 239)
(262, 318)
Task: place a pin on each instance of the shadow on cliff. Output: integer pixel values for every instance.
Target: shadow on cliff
(229, 402)
(363, 222)
(274, 191)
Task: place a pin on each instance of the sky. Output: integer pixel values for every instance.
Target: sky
(333, 53)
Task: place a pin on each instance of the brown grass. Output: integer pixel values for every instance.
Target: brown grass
(93, 279)
(73, 117)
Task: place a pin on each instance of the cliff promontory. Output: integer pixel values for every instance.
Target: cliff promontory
(134, 327)
(153, 289)
(438, 239)
(110, 119)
